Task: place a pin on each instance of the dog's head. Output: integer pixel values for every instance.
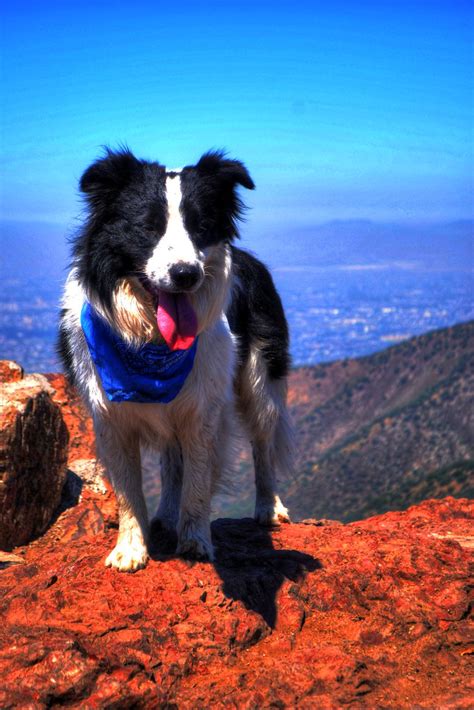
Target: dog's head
(155, 224)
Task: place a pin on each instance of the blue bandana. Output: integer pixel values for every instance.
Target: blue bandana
(151, 373)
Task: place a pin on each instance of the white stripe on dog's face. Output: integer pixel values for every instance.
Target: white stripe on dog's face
(175, 246)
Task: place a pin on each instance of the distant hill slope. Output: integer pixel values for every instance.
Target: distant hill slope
(382, 432)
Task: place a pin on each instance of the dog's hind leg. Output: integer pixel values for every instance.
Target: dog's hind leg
(269, 510)
(171, 483)
(262, 404)
(120, 454)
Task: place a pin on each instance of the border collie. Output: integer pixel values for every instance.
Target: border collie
(170, 332)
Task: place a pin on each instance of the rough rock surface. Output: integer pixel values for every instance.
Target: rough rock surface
(33, 455)
(313, 615)
(76, 417)
(10, 371)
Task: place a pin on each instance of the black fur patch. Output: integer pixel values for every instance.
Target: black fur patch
(127, 216)
(256, 314)
(211, 205)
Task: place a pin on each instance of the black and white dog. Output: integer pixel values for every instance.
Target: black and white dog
(169, 330)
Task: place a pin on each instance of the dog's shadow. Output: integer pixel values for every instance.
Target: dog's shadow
(251, 569)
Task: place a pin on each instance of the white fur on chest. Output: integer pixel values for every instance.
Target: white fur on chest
(208, 387)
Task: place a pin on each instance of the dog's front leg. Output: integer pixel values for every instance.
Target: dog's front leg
(171, 482)
(121, 457)
(194, 529)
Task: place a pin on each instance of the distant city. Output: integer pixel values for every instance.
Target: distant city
(334, 312)
(344, 313)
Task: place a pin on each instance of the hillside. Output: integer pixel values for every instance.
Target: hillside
(381, 432)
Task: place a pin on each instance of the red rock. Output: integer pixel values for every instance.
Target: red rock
(76, 417)
(371, 614)
(33, 454)
(8, 558)
(306, 616)
(10, 371)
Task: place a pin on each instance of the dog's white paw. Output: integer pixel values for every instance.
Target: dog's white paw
(271, 512)
(128, 555)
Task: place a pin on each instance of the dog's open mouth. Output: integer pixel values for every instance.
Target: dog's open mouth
(176, 319)
(175, 316)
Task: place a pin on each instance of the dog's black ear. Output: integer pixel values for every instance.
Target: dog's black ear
(107, 176)
(230, 171)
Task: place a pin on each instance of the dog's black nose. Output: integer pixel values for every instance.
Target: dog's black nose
(185, 276)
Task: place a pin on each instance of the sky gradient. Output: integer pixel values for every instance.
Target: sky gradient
(340, 110)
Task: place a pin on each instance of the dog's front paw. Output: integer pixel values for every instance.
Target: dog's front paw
(271, 512)
(128, 556)
(195, 544)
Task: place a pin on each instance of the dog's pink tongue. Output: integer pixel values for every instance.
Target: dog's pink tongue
(176, 319)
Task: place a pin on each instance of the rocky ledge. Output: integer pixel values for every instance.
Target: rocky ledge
(374, 614)
(315, 614)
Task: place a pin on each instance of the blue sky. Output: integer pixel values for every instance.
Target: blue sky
(341, 110)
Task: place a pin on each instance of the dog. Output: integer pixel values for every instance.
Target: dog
(171, 334)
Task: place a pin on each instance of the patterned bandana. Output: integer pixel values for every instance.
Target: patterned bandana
(151, 373)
